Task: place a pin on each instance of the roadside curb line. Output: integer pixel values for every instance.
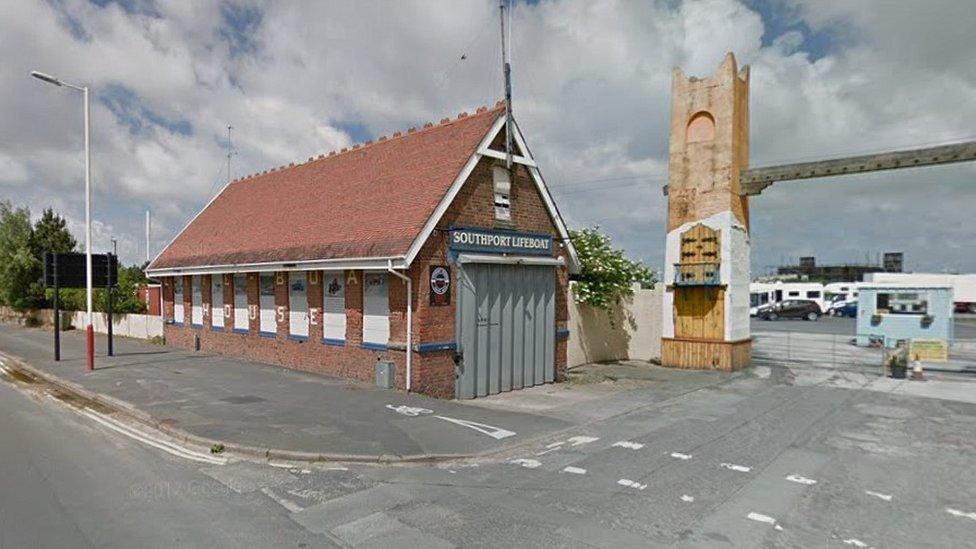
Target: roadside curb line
(268, 455)
(231, 449)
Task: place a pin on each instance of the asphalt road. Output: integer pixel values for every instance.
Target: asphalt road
(770, 457)
(67, 482)
(965, 328)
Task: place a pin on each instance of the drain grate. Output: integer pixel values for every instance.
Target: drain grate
(246, 399)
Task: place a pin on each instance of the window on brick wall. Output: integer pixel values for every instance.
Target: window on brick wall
(217, 301)
(178, 314)
(502, 184)
(297, 306)
(240, 304)
(269, 325)
(196, 301)
(334, 308)
(376, 309)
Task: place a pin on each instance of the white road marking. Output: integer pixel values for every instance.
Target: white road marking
(678, 455)
(166, 446)
(574, 470)
(409, 411)
(286, 503)
(576, 441)
(494, 432)
(958, 513)
(878, 495)
(758, 517)
(855, 542)
(280, 465)
(556, 444)
(628, 444)
(526, 462)
(737, 468)
(337, 468)
(687, 499)
(631, 484)
(801, 480)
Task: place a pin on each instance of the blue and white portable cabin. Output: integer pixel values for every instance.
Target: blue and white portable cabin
(893, 312)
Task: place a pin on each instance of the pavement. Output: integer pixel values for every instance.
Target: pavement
(267, 412)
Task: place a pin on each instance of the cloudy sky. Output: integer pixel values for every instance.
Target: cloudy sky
(591, 85)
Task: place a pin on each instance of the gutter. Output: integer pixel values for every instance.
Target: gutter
(389, 269)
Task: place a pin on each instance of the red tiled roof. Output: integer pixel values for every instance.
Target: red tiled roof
(369, 201)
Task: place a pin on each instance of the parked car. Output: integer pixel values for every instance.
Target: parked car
(792, 308)
(848, 310)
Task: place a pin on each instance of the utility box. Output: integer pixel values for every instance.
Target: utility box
(384, 374)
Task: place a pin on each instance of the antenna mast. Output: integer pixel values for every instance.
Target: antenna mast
(230, 151)
(507, 71)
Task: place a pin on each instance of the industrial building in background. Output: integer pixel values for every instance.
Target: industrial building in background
(807, 269)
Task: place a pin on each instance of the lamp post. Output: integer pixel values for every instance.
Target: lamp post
(90, 332)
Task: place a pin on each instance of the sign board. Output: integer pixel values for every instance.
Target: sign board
(505, 242)
(929, 350)
(440, 285)
(71, 271)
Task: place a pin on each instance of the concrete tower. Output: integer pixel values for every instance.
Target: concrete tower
(706, 305)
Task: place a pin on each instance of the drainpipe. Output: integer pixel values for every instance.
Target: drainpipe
(389, 268)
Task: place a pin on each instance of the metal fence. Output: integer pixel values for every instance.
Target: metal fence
(839, 352)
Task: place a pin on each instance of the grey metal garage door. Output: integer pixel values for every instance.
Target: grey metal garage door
(506, 323)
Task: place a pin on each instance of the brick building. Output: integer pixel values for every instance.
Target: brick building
(318, 266)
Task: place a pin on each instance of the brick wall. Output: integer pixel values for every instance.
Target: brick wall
(433, 373)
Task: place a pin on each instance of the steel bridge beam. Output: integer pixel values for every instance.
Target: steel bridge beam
(754, 180)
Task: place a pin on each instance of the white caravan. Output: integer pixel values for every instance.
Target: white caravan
(764, 294)
(839, 294)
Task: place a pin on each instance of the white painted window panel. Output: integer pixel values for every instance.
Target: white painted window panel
(240, 303)
(178, 313)
(217, 300)
(297, 304)
(376, 308)
(196, 304)
(334, 308)
(267, 303)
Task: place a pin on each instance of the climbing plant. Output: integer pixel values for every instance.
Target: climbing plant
(606, 275)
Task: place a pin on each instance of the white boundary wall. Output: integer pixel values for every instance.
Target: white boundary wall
(126, 325)
(632, 331)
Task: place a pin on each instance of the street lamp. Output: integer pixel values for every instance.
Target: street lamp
(90, 332)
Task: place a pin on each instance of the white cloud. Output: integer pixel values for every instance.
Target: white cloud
(591, 82)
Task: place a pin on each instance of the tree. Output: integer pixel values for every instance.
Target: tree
(126, 299)
(50, 234)
(18, 265)
(606, 275)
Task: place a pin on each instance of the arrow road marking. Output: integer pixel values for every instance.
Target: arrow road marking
(494, 432)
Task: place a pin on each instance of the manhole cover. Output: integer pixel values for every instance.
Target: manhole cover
(248, 399)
